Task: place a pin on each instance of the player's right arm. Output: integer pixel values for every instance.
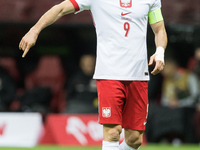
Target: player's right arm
(51, 16)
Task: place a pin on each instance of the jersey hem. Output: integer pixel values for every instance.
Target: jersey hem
(122, 78)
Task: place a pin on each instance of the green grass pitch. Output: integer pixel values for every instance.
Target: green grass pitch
(147, 147)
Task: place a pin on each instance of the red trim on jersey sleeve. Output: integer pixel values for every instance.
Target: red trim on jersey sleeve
(75, 5)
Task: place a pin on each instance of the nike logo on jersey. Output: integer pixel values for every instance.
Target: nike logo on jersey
(124, 14)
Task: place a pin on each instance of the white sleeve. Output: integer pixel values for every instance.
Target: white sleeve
(81, 5)
(155, 5)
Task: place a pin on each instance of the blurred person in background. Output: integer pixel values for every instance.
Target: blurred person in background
(180, 86)
(194, 66)
(7, 90)
(194, 62)
(10, 65)
(82, 91)
(180, 90)
(44, 87)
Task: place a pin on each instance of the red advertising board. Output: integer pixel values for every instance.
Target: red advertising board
(73, 130)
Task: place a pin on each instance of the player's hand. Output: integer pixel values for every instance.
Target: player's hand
(159, 65)
(28, 41)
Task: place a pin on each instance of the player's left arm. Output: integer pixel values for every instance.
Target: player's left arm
(161, 44)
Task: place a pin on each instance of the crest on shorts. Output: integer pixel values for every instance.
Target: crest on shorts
(126, 3)
(106, 112)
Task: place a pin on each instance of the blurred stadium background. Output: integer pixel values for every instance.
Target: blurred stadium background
(54, 87)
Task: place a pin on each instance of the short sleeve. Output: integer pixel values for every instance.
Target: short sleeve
(156, 5)
(81, 5)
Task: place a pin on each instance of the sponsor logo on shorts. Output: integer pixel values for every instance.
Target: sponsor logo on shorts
(106, 112)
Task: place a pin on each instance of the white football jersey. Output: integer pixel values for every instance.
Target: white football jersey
(121, 28)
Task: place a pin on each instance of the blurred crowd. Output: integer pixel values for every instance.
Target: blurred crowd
(174, 114)
(47, 88)
(174, 111)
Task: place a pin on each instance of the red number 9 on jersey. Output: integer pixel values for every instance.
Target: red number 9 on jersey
(126, 28)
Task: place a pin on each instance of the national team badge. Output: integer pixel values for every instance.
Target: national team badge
(126, 3)
(106, 112)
